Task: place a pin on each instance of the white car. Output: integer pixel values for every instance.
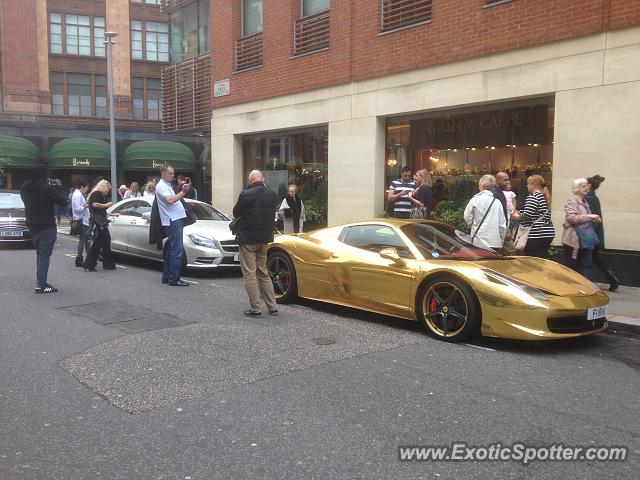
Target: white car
(208, 243)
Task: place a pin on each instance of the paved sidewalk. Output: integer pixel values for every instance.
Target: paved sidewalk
(625, 304)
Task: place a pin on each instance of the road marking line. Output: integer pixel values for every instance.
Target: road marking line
(481, 348)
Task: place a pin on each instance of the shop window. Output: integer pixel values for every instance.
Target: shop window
(147, 102)
(189, 31)
(299, 158)
(80, 35)
(149, 41)
(404, 13)
(457, 148)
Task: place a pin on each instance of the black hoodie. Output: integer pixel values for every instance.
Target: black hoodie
(39, 198)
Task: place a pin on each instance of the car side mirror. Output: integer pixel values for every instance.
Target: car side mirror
(147, 216)
(391, 254)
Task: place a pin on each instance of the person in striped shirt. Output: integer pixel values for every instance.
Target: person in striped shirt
(398, 193)
(537, 213)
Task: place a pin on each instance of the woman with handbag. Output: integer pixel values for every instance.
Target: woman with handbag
(422, 196)
(579, 236)
(99, 228)
(536, 231)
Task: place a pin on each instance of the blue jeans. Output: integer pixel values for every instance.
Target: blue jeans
(44, 242)
(583, 264)
(175, 250)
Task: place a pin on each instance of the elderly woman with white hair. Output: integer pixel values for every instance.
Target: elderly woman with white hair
(579, 237)
(485, 216)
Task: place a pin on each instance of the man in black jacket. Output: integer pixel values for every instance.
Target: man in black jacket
(39, 196)
(257, 207)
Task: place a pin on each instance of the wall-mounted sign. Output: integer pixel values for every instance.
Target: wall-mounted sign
(221, 88)
(76, 162)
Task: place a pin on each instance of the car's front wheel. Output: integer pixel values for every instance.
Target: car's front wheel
(283, 276)
(449, 309)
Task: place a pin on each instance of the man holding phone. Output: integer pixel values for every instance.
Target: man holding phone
(191, 194)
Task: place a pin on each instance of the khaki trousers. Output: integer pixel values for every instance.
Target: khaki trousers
(253, 263)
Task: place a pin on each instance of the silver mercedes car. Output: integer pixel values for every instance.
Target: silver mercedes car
(208, 243)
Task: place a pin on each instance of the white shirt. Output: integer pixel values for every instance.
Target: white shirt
(509, 195)
(168, 211)
(130, 194)
(79, 207)
(494, 228)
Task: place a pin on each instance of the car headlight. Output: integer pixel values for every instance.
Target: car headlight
(201, 241)
(504, 280)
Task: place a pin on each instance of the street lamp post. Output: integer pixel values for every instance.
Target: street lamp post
(108, 41)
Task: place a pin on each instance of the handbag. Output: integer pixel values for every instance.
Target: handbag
(76, 228)
(418, 212)
(587, 235)
(521, 237)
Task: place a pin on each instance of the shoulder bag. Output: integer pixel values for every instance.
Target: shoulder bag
(520, 242)
(234, 224)
(587, 235)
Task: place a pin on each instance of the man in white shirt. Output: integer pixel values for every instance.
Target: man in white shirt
(485, 216)
(80, 212)
(172, 214)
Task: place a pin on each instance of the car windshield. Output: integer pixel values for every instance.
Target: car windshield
(10, 201)
(202, 211)
(437, 240)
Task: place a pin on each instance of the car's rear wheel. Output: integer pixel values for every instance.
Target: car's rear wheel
(283, 276)
(449, 309)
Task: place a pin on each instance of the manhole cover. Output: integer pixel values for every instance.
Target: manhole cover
(323, 341)
(126, 318)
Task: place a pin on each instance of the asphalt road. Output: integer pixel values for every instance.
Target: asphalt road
(117, 376)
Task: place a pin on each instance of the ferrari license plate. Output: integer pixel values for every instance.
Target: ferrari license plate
(596, 312)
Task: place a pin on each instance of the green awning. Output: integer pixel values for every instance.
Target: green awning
(19, 152)
(80, 153)
(151, 155)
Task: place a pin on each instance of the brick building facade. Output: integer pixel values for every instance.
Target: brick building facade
(461, 88)
(53, 84)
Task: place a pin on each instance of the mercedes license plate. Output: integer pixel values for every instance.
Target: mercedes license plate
(236, 257)
(10, 234)
(596, 312)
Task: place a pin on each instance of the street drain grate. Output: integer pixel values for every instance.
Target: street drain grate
(324, 341)
(126, 318)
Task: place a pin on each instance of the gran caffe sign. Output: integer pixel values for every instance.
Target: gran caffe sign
(520, 126)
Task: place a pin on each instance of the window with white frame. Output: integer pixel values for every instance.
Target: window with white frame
(251, 17)
(147, 102)
(78, 94)
(150, 41)
(72, 34)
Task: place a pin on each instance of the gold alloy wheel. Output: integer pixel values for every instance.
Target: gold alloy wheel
(445, 309)
(280, 273)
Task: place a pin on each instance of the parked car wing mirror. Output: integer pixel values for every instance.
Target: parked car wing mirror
(391, 253)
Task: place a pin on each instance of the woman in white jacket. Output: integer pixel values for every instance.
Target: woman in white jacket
(291, 212)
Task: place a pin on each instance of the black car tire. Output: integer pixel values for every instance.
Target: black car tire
(449, 309)
(283, 276)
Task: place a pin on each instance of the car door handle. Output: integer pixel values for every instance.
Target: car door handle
(132, 222)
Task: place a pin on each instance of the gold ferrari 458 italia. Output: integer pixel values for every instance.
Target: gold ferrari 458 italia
(428, 272)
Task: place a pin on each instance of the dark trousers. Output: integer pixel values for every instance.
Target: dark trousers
(600, 261)
(583, 263)
(538, 247)
(402, 214)
(101, 242)
(44, 241)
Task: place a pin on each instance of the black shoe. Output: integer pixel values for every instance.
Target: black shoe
(79, 262)
(614, 283)
(251, 313)
(273, 312)
(179, 283)
(46, 289)
(89, 269)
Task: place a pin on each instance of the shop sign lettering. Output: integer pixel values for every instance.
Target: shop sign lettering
(501, 120)
(157, 163)
(81, 163)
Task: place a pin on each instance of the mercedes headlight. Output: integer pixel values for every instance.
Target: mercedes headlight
(201, 241)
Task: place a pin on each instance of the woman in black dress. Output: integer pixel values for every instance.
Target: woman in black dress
(422, 196)
(99, 228)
